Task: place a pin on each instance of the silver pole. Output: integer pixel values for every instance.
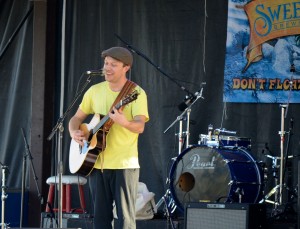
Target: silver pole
(3, 197)
(60, 170)
(60, 164)
(281, 133)
(188, 128)
(180, 137)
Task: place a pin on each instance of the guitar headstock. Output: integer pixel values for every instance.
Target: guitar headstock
(129, 98)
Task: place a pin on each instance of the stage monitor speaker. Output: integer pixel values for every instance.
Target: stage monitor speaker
(224, 215)
(69, 220)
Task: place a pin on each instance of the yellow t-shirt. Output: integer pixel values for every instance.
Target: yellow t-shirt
(121, 150)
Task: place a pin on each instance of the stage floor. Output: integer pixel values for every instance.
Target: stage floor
(269, 219)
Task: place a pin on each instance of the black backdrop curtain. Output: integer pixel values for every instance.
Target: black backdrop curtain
(173, 35)
(15, 85)
(186, 39)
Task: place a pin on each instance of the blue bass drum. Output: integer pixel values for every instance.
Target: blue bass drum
(206, 174)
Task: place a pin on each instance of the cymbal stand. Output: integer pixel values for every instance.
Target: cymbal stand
(3, 196)
(284, 109)
(275, 189)
(281, 133)
(278, 189)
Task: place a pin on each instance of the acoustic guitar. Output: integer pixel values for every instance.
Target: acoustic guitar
(83, 158)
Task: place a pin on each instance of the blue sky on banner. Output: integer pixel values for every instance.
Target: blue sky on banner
(271, 79)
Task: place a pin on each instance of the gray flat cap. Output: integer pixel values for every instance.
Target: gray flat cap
(119, 53)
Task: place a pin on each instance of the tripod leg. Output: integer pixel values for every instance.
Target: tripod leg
(273, 190)
(169, 207)
(169, 218)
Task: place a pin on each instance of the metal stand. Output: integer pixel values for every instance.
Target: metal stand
(279, 186)
(3, 196)
(59, 127)
(170, 206)
(183, 135)
(278, 189)
(281, 133)
(179, 118)
(28, 154)
(275, 189)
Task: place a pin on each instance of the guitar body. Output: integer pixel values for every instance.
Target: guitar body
(83, 158)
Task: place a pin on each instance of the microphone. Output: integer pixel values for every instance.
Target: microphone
(188, 100)
(95, 72)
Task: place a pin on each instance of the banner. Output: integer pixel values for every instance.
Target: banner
(262, 52)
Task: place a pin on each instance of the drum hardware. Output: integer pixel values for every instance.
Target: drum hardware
(167, 200)
(264, 169)
(240, 193)
(223, 138)
(169, 206)
(275, 167)
(236, 161)
(278, 189)
(210, 131)
(269, 194)
(224, 132)
(241, 182)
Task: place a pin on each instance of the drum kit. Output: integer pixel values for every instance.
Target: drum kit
(219, 168)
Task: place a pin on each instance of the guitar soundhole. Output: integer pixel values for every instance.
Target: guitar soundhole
(90, 135)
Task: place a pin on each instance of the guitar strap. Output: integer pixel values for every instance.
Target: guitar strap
(126, 90)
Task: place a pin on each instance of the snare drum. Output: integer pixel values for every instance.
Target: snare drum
(233, 141)
(224, 141)
(202, 173)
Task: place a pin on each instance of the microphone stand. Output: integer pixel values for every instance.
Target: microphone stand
(59, 127)
(3, 196)
(180, 118)
(27, 153)
(281, 133)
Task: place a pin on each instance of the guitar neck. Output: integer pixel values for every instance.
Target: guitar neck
(100, 124)
(104, 120)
